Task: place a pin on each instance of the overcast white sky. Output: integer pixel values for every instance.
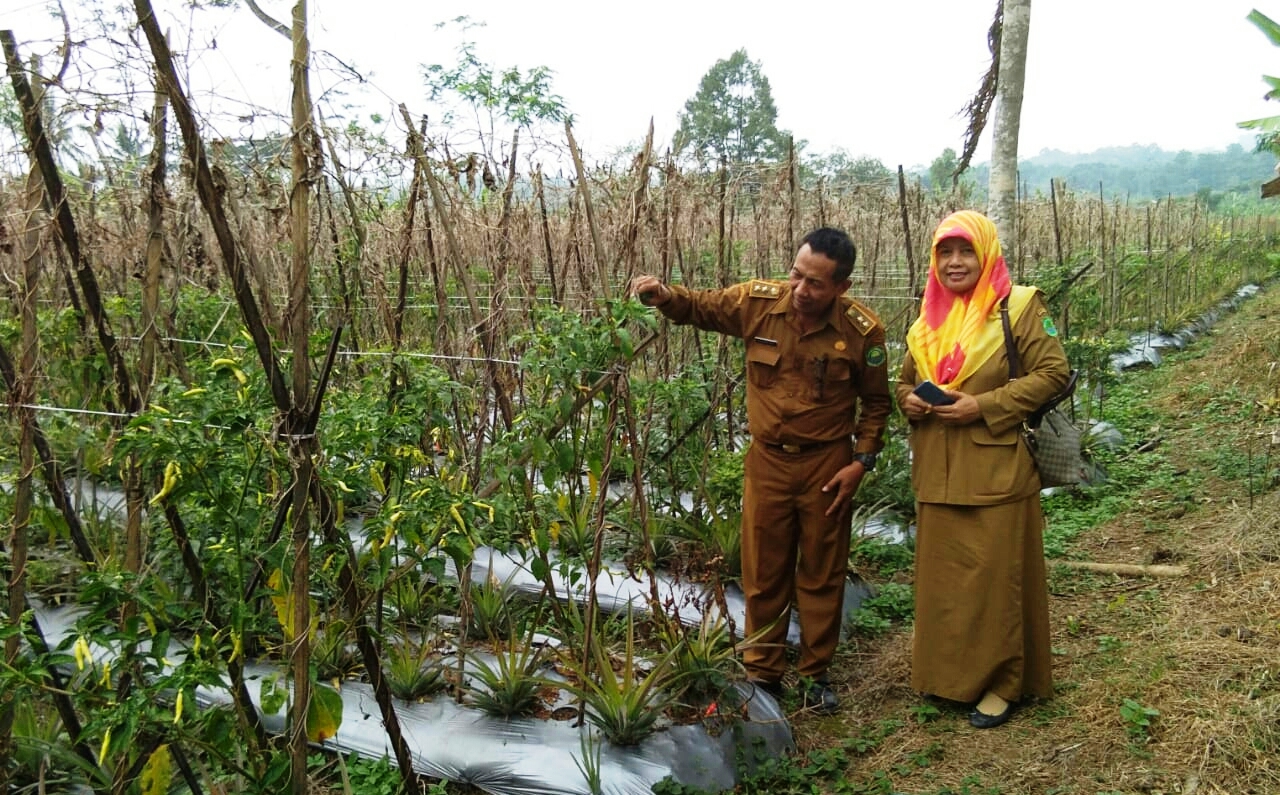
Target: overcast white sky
(883, 78)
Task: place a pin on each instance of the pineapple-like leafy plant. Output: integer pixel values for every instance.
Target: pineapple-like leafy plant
(574, 527)
(622, 703)
(413, 672)
(509, 686)
(332, 653)
(705, 660)
(495, 613)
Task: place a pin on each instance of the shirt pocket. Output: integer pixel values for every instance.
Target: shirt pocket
(997, 457)
(983, 437)
(840, 372)
(762, 364)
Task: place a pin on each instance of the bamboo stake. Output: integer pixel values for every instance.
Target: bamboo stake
(722, 243)
(557, 292)
(906, 232)
(158, 199)
(302, 446)
(584, 189)
(639, 200)
(358, 227)
(257, 271)
(405, 249)
(211, 193)
(350, 290)
(793, 197)
(15, 567)
(487, 342)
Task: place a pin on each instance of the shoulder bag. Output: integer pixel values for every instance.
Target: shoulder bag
(1050, 435)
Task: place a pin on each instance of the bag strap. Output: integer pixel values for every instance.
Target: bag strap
(1015, 368)
(1010, 348)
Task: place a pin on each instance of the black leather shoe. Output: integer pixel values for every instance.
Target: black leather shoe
(818, 697)
(981, 720)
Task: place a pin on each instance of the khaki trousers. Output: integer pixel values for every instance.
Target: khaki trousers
(793, 554)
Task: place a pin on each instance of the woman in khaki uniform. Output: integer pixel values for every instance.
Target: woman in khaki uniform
(982, 614)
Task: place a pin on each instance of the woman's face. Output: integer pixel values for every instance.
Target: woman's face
(958, 265)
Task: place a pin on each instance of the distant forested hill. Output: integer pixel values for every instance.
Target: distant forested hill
(1146, 172)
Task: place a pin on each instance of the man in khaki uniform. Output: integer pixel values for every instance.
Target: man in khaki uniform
(813, 355)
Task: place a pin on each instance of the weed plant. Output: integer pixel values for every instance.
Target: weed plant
(41, 755)
(892, 604)
(712, 543)
(359, 775)
(882, 556)
(415, 602)
(1137, 719)
(588, 763)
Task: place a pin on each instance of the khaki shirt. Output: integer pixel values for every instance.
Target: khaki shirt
(986, 461)
(800, 389)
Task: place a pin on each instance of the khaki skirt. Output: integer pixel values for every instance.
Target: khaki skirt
(982, 602)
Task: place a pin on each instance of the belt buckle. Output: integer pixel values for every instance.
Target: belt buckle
(791, 448)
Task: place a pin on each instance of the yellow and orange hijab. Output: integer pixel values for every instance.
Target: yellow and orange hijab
(952, 338)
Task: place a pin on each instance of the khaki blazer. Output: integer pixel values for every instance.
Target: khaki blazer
(986, 462)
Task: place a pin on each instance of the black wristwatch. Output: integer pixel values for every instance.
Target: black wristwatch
(868, 460)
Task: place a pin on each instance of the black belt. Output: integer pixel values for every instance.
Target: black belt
(800, 448)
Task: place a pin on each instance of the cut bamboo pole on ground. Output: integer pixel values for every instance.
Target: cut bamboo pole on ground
(1125, 569)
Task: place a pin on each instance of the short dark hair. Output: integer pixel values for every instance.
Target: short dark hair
(835, 244)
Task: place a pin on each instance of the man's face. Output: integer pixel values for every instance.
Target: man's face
(813, 285)
(958, 265)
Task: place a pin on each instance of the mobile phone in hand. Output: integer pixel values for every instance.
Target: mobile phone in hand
(930, 393)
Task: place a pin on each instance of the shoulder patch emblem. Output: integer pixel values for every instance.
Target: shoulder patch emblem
(1049, 327)
(875, 356)
(862, 317)
(764, 289)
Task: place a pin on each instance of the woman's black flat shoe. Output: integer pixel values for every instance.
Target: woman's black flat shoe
(981, 720)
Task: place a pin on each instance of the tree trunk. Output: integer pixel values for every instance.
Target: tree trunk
(1003, 186)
